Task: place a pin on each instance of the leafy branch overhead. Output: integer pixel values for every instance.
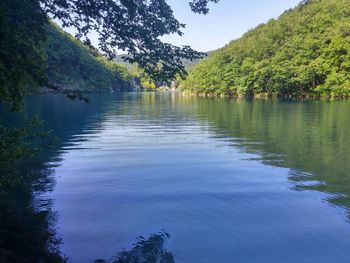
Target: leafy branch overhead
(201, 6)
(134, 26)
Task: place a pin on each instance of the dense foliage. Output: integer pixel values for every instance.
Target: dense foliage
(22, 60)
(132, 26)
(305, 51)
(73, 66)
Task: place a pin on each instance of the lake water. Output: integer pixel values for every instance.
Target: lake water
(229, 180)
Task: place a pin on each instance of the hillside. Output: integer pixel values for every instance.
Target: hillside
(306, 51)
(186, 62)
(73, 66)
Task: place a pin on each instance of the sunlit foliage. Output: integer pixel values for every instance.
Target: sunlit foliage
(305, 51)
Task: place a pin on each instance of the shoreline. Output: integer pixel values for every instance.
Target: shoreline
(267, 96)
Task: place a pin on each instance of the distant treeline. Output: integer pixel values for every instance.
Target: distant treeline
(306, 51)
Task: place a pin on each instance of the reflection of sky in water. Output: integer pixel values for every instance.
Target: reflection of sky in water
(208, 172)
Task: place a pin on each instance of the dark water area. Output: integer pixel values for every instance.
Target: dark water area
(219, 180)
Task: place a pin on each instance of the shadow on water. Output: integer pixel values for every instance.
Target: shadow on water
(27, 222)
(26, 232)
(146, 250)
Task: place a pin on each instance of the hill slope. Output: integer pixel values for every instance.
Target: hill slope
(73, 66)
(305, 51)
(186, 62)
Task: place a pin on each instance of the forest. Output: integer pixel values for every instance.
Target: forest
(71, 65)
(305, 52)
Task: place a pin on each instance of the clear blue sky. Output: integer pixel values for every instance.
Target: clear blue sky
(226, 21)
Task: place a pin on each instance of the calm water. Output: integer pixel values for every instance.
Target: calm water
(230, 181)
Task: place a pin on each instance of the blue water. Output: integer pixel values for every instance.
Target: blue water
(230, 181)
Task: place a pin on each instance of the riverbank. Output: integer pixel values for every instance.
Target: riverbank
(264, 95)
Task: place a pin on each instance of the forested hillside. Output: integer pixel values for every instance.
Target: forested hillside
(306, 51)
(74, 66)
(186, 62)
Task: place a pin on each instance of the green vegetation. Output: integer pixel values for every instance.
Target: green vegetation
(143, 79)
(134, 27)
(146, 81)
(123, 59)
(306, 51)
(22, 58)
(74, 66)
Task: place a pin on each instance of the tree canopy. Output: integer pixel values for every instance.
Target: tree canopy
(134, 26)
(22, 58)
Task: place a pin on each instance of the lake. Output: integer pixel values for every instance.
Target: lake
(226, 180)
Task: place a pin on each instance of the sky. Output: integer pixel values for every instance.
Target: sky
(226, 21)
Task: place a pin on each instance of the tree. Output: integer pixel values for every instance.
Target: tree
(134, 26)
(22, 58)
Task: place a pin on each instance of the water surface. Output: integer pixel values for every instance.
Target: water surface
(230, 181)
